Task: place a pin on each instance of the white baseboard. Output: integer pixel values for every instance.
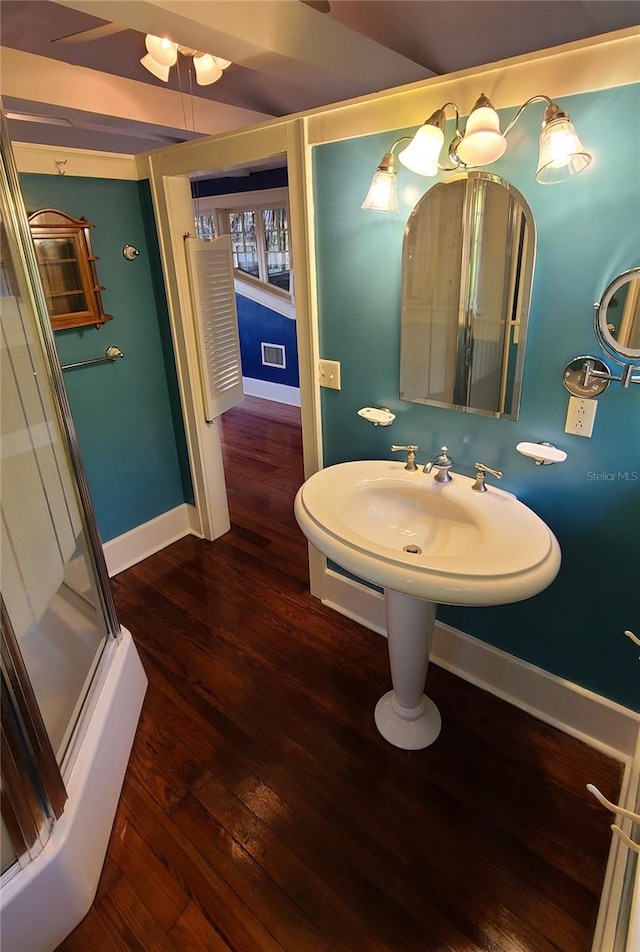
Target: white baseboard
(134, 546)
(591, 718)
(278, 392)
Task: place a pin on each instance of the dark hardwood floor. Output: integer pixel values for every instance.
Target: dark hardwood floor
(262, 811)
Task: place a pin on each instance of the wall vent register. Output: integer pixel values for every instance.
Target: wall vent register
(273, 355)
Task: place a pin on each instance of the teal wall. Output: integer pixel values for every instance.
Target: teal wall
(126, 413)
(588, 231)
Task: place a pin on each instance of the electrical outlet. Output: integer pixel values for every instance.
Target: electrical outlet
(329, 374)
(580, 416)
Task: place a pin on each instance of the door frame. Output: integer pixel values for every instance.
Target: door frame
(168, 171)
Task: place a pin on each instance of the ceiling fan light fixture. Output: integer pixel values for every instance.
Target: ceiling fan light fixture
(162, 54)
(163, 50)
(156, 68)
(207, 69)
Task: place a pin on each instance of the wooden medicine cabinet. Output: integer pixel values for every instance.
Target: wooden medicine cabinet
(68, 269)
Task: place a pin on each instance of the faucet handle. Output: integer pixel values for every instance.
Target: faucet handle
(481, 469)
(411, 449)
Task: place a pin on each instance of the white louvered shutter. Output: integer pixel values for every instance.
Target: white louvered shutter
(214, 307)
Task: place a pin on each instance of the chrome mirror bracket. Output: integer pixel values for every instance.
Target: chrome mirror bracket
(586, 377)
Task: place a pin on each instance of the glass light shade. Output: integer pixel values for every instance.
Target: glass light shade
(207, 69)
(562, 155)
(383, 192)
(482, 142)
(163, 51)
(158, 70)
(222, 63)
(423, 152)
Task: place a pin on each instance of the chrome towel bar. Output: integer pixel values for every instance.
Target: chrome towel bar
(111, 353)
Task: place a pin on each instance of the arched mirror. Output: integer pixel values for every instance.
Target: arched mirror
(617, 317)
(467, 270)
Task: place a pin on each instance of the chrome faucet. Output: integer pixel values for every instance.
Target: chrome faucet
(411, 455)
(442, 463)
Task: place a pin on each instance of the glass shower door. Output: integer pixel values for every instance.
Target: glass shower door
(58, 613)
(47, 581)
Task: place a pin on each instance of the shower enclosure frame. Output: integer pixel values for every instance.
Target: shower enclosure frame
(52, 886)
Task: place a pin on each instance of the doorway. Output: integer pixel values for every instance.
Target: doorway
(234, 202)
(169, 174)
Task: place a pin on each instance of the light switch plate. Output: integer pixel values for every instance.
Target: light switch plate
(580, 416)
(329, 374)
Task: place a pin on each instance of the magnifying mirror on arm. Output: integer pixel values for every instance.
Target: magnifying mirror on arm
(616, 324)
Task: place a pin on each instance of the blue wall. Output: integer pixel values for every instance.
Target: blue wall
(588, 231)
(259, 324)
(127, 413)
(266, 178)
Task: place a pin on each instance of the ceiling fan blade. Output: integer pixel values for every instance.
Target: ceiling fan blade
(94, 33)
(115, 130)
(30, 117)
(322, 6)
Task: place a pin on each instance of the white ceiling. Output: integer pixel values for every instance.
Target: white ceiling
(286, 58)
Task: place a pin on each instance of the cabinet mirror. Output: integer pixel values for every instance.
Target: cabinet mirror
(68, 269)
(467, 272)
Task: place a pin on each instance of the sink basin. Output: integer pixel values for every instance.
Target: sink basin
(439, 541)
(424, 542)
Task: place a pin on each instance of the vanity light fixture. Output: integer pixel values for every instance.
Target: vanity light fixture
(561, 153)
(162, 54)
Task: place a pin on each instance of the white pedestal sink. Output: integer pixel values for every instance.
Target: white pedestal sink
(424, 542)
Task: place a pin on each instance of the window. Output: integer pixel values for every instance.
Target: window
(242, 227)
(276, 244)
(258, 224)
(206, 227)
(260, 242)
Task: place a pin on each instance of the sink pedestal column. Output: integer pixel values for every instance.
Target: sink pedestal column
(404, 716)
